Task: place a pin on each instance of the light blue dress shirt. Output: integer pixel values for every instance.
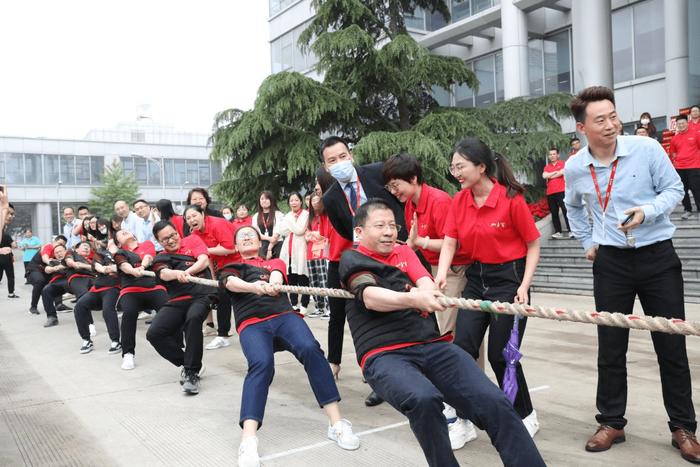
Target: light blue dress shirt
(644, 177)
(353, 180)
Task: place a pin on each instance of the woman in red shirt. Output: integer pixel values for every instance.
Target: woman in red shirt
(490, 223)
(317, 252)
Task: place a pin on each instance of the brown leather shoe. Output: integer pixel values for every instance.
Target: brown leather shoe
(688, 444)
(605, 436)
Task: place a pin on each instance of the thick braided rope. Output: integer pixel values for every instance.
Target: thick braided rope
(647, 323)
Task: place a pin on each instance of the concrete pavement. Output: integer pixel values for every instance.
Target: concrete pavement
(58, 407)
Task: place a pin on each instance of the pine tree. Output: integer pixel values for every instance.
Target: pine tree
(376, 92)
(116, 186)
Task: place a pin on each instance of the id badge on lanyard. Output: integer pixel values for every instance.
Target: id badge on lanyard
(358, 202)
(608, 192)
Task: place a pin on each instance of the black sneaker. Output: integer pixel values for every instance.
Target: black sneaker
(34, 311)
(87, 347)
(115, 348)
(13, 295)
(51, 321)
(63, 307)
(183, 376)
(191, 384)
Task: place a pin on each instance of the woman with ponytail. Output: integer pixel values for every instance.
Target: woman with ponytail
(490, 223)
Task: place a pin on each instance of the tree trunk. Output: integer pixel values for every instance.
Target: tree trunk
(404, 115)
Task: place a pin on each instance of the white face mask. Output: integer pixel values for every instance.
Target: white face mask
(228, 217)
(644, 121)
(342, 171)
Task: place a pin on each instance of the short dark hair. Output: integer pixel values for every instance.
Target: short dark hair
(575, 138)
(201, 191)
(364, 211)
(160, 225)
(140, 201)
(402, 167)
(640, 128)
(80, 208)
(11, 206)
(61, 237)
(331, 141)
(682, 117)
(591, 94)
(696, 106)
(554, 149)
(196, 207)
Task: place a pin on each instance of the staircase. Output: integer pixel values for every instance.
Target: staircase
(564, 269)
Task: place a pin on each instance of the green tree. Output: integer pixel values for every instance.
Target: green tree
(116, 185)
(376, 92)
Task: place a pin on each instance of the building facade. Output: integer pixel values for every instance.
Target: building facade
(44, 175)
(648, 51)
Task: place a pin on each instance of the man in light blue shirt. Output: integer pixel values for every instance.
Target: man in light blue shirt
(71, 222)
(145, 227)
(631, 188)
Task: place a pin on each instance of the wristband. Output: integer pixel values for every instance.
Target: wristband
(425, 243)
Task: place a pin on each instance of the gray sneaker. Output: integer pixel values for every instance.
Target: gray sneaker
(686, 215)
(51, 321)
(191, 383)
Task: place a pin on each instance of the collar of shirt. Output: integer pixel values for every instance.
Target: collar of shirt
(497, 191)
(375, 255)
(353, 179)
(423, 200)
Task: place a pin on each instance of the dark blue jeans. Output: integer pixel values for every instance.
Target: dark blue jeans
(259, 343)
(417, 380)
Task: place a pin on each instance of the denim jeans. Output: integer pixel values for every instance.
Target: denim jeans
(260, 341)
(417, 380)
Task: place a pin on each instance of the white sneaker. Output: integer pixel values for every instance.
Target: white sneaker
(557, 235)
(450, 413)
(303, 310)
(461, 432)
(144, 315)
(128, 361)
(343, 436)
(217, 343)
(93, 330)
(248, 452)
(531, 423)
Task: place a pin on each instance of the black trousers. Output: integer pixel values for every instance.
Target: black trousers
(38, 280)
(50, 293)
(653, 273)
(556, 202)
(165, 332)
(105, 300)
(336, 323)
(301, 280)
(8, 267)
(691, 182)
(79, 286)
(495, 282)
(223, 313)
(131, 304)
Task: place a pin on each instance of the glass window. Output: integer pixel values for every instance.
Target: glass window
(481, 5)
(417, 20)
(169, 172)
(154, 173)
(442, 96)
(460, 9)
(15, 169)
(276, 56)
(193, 172)
(500, 86)
(51, 175)
(435, 21)
(82, 170)
(622, 45)
(649, 55)
(204, 175)
(534, 67)
(557, 63)
(181, 172)
(278, 5)
(140, 170)
(2, 168)
(67, 166)
(97, 168)
(127, 165)
(32, 164)
(484, 70)
(464, 96)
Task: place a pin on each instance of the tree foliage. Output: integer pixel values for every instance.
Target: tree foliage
(377, 92)
(116, 186)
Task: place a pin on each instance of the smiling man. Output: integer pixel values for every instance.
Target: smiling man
(629, 180)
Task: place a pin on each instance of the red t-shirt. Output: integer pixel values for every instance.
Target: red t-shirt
(337, 244)
(555, 185)
(685, 150)
(318, 249)
(494, 233)
(401, 257)
(241, 222)
(692, 126)
(218, 231)
(144, 248)
(178, 222)
(47, 250)
(432, 209)
(192, 246)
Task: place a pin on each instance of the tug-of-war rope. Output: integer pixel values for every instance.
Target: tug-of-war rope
(604, 318)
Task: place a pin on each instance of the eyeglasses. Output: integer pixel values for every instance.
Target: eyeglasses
(172, 237)
(382, 227)
(456, 169)
(392, 187)
(246, 235)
